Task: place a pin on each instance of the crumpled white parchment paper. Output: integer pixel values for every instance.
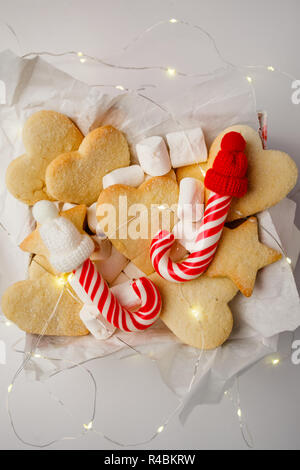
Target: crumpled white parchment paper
(218, 102)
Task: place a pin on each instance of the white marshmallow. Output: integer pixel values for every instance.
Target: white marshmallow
(191, 198)
(98, 327)
(186, 232)
(153, 156)
(187, 147)
(130, 175)
(102, 249)
(132, 271)
(126, 295)
(111, 267)
(91, 217)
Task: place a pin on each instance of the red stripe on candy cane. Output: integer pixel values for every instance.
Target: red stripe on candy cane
(95, 288)
(89, 278)
(205, 246)
(91, 288)
(83, 272)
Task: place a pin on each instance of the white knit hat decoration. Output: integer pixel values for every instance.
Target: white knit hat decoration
(67, 246)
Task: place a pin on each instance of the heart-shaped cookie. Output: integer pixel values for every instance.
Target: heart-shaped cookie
(77, 176)
(271, 174)
(138, 213)
(30, 304)
(46, 134)
(197, 312)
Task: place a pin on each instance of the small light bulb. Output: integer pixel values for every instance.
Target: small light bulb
(288, 260)
(196, 312)
(275, 362)
(37, 356)
(171, 72)
(88, 426)
(239, 413)
(83, 60)
(249, 79)
(160, 429)
(7, 323)
(10, 388)
(61, 280)
(120, 87)
(271, 68)
(173, 20)
(80, 54)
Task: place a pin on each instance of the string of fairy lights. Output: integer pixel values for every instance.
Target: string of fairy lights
(171, 73)
(62, 282)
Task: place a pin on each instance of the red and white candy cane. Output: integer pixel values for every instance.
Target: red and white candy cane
(91, 288)
(205, 244)
(225, 179)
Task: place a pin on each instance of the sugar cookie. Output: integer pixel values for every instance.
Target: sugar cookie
(76, 176)
(271, 174)
(240, 255)
(197, 312)
(30, 304)
(46, 134)
(160, 191)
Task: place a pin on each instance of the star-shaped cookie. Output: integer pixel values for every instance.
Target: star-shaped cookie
(34, 244)
(240, 255)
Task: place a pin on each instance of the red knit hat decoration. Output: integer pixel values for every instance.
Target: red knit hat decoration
(227, 177)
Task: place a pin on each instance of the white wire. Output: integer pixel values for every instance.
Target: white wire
(28, 356)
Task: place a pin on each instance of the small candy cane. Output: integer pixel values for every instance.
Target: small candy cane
(225, 179)
(205, 244)
(91, 288)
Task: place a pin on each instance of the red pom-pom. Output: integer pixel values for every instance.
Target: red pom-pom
(233, 141)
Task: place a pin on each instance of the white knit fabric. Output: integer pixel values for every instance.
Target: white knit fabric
(67, 246)
(44, 210)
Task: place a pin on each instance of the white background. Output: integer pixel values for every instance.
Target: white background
(262, 32)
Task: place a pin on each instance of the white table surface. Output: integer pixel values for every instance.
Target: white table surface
(257, 32)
